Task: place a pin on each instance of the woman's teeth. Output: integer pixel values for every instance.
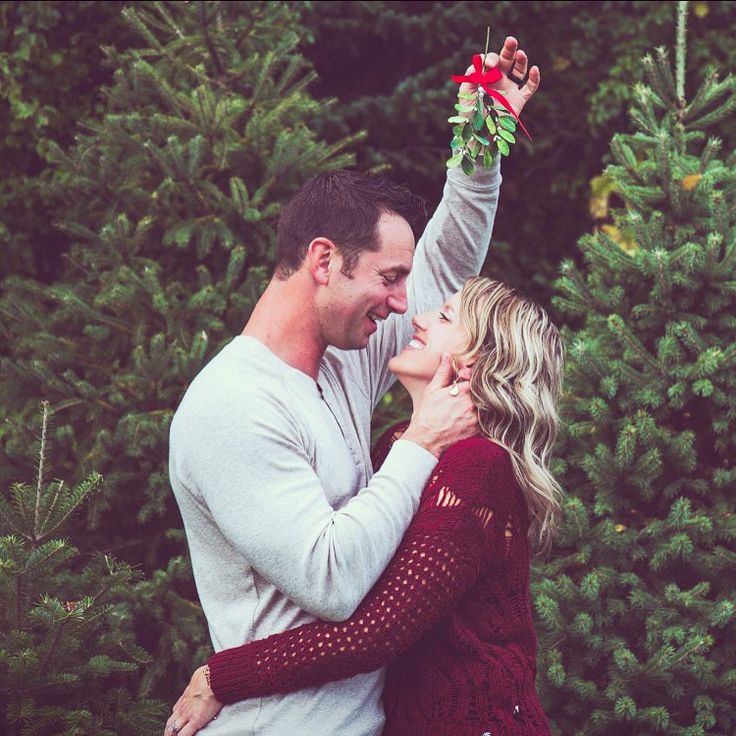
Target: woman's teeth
(416, 345)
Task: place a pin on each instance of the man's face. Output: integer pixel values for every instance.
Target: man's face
(376, 288)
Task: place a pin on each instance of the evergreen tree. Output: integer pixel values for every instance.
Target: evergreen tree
(50, 73)
(66, 653)
(638, 608)
(171, 200)
(390, 63)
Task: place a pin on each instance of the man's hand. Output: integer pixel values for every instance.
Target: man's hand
(442, 419)
(511, 56)
(196, 707)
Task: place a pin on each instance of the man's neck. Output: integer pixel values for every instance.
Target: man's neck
(284, 320)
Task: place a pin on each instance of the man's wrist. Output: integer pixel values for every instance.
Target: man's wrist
(431, 444)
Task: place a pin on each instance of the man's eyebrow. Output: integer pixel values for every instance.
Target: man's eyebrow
(397, 270)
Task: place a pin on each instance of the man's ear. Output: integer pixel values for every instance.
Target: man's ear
(321, 257)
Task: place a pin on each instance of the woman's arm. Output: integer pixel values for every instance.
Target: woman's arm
(442, 554)
(458, 529)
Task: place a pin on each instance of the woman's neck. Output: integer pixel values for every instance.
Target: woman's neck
(415, 388)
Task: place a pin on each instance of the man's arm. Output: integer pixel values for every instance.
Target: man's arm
(455, 242)
(452, 248)
(248, 463)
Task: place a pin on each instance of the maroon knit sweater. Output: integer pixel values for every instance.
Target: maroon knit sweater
(451, 614)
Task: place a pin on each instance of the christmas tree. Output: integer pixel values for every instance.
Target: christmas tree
(66, 650)
(171, 200)
(589, 58)
(50, 73)
(637, 606)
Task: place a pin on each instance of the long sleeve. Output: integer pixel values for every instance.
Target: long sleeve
(245, 455)
(456, 532)
(452, 248)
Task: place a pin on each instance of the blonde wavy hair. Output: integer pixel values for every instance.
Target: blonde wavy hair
(517, 361)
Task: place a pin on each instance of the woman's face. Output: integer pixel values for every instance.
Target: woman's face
(436, 332)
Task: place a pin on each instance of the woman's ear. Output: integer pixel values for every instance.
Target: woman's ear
(465, 372)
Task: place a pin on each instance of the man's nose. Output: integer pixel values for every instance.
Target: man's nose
(397, 302)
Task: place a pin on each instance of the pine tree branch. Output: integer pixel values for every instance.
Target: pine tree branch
(41, 458)
(54, 644)
(681, 51)
(116, 547)
(703, 96)
(617, 325)
(208, 41)
(246, 30)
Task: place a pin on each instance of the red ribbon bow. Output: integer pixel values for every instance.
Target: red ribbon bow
(485, 80)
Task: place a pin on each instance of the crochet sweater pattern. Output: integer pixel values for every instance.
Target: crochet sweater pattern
(451, 614)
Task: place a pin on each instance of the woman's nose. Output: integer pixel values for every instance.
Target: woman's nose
(419, 321)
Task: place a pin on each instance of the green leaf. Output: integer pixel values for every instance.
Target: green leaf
(481, 139)
(507, 136)
(457, 119)
(506, 121)
(477, 121)
(456, 160)
(21, 109)
(503, 147)
(487, 158)
(23, 51)
(465, 108)
(467, 96)
(468, 166)
(491, 125)
(467, 133)
(457, 143)
(458, 130)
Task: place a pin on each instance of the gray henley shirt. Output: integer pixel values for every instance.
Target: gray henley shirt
(284, 518)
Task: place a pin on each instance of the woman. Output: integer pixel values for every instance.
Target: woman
(452, 612)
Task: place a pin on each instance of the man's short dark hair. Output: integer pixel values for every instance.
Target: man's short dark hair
(345, 207)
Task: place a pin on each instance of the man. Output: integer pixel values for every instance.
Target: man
(270, 447)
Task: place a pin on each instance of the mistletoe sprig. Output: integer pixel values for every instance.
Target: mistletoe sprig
(483, 128)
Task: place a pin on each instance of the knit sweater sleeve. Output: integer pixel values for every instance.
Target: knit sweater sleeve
(458, 529)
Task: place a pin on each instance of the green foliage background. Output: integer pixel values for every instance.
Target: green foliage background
(136, 231)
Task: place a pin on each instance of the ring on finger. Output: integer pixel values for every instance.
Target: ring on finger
(174, 728)
(510, 74)
(516, 80)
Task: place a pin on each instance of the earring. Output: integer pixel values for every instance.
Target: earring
(454, 389)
